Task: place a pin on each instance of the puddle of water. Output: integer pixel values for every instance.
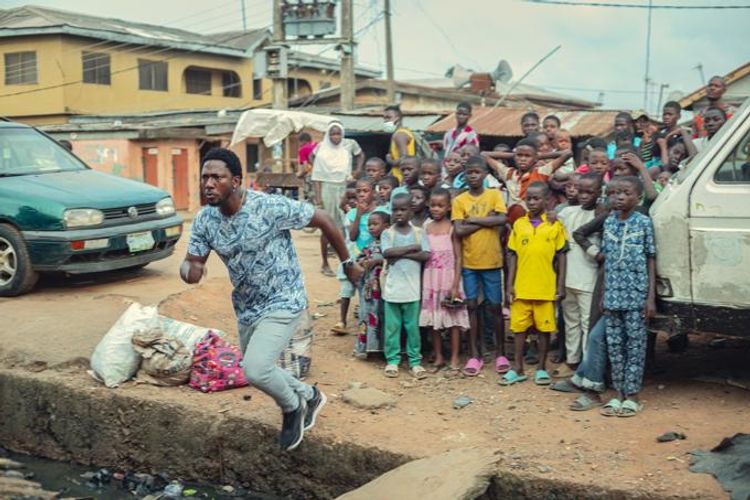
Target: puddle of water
(66, 478)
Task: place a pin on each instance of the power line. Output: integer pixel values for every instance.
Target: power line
(636, 6)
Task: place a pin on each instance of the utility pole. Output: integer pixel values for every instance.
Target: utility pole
(699, 67)
(661, 95)
(244, 15)
(390, 84)
(347, 56)
(646, 78)
(278, 54)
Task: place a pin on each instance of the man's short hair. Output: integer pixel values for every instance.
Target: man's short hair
(591, 176)
(710, 108)
(305, 137)
(382, 214)
(394, 107)
(389, 179)
(464, 105)
(228, 157)
(539, 185)
(402, 196)
(530, 114)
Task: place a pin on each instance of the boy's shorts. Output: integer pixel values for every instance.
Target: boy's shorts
(347, 287)
(527, 313)
(491, 281)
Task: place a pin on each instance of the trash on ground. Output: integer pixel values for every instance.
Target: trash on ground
(462, 402)
(729, 463)
(671, 436)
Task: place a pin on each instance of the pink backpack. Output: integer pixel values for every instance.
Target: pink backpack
(217, 365)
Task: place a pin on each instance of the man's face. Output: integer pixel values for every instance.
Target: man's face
(669, 116)
(217, 182)
(525, 157)
(677, 153)
(529, 125)
(715, 89)
(384, 190)
(401, 210)
(571, 190)
(429, 175)
(622, 124)
(588, 192)
(453, 164)
(462, 116)
(475, 176)
(712, 121)
(390, 116)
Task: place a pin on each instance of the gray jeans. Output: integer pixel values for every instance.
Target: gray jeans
(261, 346)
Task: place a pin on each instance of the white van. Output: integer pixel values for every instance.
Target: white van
(702, 226)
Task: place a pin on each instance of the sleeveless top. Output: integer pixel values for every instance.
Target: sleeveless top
(411, 149)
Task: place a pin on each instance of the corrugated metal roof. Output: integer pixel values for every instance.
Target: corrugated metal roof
(364, 123)
(506, 122)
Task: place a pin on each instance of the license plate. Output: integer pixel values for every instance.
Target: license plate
(140, 242)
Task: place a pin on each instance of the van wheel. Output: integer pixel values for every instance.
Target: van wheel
(678, 343)
(16, 275)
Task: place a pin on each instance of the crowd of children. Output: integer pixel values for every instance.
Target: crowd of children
(522, 234)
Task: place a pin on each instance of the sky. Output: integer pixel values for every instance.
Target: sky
(603, 48)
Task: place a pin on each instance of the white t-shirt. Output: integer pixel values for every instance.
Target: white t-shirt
(581, 266)
(403, 282)
(328, 172)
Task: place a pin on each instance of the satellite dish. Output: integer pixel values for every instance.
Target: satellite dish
(675, 95)
(503, 73)
(459, 75)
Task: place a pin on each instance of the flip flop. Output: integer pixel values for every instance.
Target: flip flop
(434, 368)
(564, 386)
(473, 367)
(511, 377)
(502, 365)
(328, 272)
(563, 371)
(391, 371)
(418, 372)
(584, 403)
(452, 372)
(612, 408)
(630, 408)
(339, 329)
(541, 377)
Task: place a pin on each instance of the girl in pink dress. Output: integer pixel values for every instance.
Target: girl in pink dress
(442, 304)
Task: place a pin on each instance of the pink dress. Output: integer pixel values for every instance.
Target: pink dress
(437, 281)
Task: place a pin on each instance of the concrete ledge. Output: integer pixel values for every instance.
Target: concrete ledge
(42, 415)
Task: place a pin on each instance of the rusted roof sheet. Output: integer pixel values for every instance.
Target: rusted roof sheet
(506, 122)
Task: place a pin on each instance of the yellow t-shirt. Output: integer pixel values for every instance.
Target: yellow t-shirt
(535, 249)
(481, 249)
(411, 149)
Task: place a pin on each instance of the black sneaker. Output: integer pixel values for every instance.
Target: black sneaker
(314, 405)
(292, 428)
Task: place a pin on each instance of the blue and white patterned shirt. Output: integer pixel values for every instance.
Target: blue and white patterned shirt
(627, 245)
(256, 246)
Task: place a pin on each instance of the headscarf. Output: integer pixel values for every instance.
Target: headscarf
(333, 162)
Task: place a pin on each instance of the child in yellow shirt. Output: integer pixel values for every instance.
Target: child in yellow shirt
(536, 280)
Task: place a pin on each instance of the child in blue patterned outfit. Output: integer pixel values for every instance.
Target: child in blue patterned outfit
(629, 283)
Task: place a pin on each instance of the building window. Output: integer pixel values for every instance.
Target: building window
(96, 68)
(197, 81)
(152, 75)
(20, 68)
(258, 89)
(231, 84)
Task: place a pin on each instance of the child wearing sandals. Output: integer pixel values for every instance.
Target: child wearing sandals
(442, 305)
(404, 248)
(535, 248)
(370, 335)
(629, 283)
(478, 215)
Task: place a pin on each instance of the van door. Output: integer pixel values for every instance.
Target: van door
(719, 228)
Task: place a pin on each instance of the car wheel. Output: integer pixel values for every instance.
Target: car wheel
(16, 275)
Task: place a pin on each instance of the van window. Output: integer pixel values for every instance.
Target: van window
(736, 167)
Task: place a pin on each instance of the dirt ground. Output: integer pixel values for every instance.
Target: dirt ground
(63, 320)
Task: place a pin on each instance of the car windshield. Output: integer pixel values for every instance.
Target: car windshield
(25, 151)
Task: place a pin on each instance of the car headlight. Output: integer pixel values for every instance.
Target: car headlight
(82, 217)
(165, 207)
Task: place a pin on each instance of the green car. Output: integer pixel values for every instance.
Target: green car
(57, 214)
